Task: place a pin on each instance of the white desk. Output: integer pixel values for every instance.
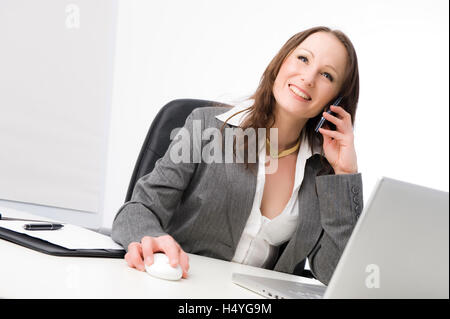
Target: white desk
(25, 273)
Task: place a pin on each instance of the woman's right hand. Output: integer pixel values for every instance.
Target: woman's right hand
(138, 253)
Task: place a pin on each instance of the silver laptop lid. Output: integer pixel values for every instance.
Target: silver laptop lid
(399, 248)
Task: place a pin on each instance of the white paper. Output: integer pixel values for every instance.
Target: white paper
(55, 102)
(70, 236)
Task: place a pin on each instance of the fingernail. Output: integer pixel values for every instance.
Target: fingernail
(148, 261)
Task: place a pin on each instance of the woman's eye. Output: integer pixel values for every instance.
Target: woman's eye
(328, 76)
(302, 58)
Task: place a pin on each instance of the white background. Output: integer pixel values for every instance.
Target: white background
(218, 50)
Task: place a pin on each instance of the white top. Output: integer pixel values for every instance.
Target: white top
(261, 237)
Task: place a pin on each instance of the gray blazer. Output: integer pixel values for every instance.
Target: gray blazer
(205, 207)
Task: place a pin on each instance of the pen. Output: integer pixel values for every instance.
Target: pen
(49, 226)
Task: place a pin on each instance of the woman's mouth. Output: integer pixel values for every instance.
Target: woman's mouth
(302, 96)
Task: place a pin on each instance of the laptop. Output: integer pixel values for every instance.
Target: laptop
(398, 249)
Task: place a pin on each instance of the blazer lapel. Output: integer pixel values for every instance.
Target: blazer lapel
(309, 227)
(240, 194)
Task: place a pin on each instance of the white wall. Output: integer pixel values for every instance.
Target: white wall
(218, 50)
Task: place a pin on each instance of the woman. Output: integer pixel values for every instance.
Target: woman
(306, 208)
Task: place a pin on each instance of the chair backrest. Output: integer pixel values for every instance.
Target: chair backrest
(157, 141)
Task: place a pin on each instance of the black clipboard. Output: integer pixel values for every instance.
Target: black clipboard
(55, 250)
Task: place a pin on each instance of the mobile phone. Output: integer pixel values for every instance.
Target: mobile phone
(322, 120)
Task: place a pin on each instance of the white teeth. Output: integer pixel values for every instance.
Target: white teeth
(298, 92)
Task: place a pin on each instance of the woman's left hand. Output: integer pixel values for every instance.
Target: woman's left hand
(339, 145)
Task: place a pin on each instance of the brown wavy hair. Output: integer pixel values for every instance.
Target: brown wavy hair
(261, 114)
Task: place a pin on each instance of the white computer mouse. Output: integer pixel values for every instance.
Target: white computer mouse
(162, 269)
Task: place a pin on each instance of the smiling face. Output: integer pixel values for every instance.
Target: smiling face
(310, 76)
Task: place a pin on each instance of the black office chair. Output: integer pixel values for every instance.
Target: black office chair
(171, 116)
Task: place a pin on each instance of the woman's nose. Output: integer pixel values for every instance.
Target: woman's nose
(307, 77)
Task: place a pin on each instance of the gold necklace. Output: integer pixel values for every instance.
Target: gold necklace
(275, 154)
